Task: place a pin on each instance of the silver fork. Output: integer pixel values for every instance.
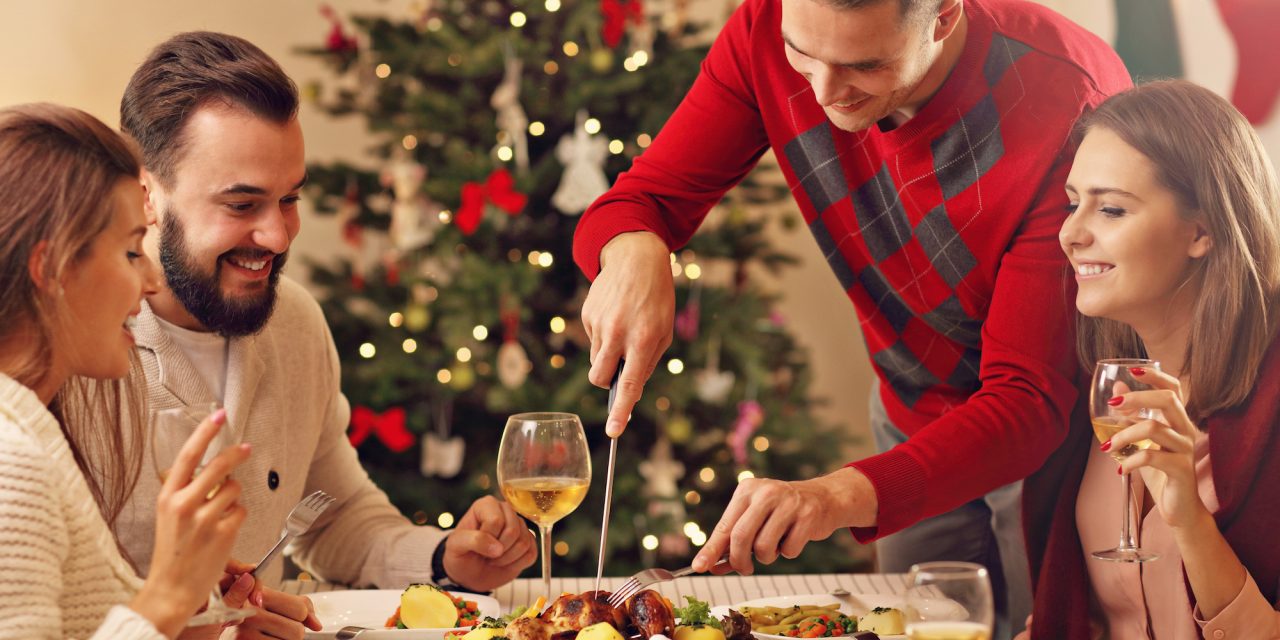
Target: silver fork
(650, 577)
(299, 520)
(349, 632)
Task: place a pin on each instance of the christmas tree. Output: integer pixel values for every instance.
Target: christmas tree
(455, 301)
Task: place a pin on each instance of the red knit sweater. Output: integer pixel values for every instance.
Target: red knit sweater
(943, 232)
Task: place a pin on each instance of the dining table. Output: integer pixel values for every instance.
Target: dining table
(717, 590)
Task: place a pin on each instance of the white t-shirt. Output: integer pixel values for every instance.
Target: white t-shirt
(207, 352)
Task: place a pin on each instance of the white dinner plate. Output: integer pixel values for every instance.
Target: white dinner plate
(371, 608)
(854, 605)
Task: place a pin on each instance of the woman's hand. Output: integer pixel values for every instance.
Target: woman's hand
(1172, 479)
(197, 519)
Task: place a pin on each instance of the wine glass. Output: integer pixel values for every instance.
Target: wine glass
(170, 430)
(1112, 378)
(948, 601)
(544, 470)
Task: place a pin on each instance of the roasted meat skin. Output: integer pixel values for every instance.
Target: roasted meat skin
(650, 614)
(646, 613)
(583, 610)
(736, 626)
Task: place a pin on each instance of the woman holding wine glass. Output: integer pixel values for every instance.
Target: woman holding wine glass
(72, 276)
(1174, 236)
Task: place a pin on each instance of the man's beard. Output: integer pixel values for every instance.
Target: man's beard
(201, 294)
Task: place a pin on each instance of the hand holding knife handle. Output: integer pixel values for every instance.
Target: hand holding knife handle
(608, 486)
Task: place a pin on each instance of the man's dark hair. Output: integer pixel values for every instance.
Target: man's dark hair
(186, 72)
(912, 9)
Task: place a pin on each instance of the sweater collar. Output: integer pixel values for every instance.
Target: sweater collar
(24, 407)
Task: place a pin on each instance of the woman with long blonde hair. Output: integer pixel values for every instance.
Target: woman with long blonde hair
(1174, 236)
(72, 276)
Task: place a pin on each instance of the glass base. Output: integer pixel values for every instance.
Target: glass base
(1132, 555)
(221, 615)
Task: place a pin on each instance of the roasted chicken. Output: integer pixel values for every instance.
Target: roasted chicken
(645, 613)
(583, 610)
(650, 614)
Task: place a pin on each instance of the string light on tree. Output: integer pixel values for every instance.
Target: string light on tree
(675, 366)
(443, 376)
(760, 444)
(692, 497)
(409, 345)
(570, 48)
(464, 354)
(480, 332)
(367, 350)
(649, 542)
(616, 147)
(692, 271)
(518, 19)
(409, 142)
(592, 126)
(561, 548)
(557, 361)
(557, 325)
(744, 475)
(553, 5)
(707, 475)
(644, 140)
(382, 71)
(445, 520)
(536, 128)
(395, 319)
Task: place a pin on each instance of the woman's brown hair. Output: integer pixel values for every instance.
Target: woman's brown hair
(58, 169)
(1205, 152)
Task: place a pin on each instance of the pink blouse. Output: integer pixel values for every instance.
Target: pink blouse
(1152, 600)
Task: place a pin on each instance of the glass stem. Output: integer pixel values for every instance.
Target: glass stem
(546, 561)
(1126, 536)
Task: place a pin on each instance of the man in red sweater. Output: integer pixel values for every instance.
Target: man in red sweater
(926, 143)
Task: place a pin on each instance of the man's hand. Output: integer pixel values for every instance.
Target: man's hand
(490, 547)
(629, 313)
(771, 517)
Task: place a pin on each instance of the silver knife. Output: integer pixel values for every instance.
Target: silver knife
(608, 482)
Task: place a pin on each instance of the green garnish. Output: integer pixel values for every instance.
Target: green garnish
(697, 614)
(882, 610)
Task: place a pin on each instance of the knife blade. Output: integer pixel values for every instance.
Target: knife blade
(608, 482)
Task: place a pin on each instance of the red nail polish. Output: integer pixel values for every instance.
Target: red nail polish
(1115, 402)
(1138, 371)
(1119, 471)
(1106, 446)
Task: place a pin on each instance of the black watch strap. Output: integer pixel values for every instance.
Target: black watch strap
(441, 577)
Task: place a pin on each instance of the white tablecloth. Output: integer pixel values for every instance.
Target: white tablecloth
(717, 590)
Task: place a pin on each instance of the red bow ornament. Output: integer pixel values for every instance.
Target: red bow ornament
(338, 41)
(388, 426)
(499, 189)
(616, 13)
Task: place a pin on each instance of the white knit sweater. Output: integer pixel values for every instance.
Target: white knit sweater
(61, 575)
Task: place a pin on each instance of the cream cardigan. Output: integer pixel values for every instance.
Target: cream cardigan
(283, 393)
(61, 575)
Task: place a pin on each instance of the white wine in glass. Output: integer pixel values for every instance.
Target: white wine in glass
(1112, 378)
(948, 601)
(170, 430)
(544, 469)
